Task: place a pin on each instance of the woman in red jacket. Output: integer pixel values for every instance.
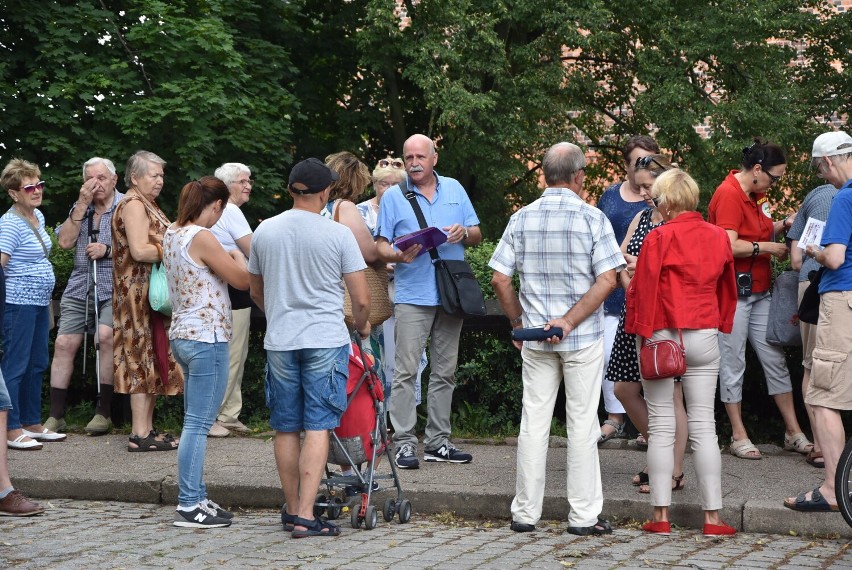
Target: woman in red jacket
(673, 292)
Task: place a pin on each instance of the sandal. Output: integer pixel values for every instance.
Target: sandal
(287, 520)
(744, 449)
(678, 484)
(815, 458)
(640, 478)
(600, 527)
(149, 443)
(816, 504)
(618, 431)
(798, 442)
(641, 442)
(313, 527)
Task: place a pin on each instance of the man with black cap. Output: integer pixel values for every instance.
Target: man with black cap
(299, 261)
(830, 389)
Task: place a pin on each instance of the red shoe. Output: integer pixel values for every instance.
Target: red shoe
(663, 528)
(717, 530)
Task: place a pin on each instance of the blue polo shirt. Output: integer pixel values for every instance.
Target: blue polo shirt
(415, 281)
(838, 229)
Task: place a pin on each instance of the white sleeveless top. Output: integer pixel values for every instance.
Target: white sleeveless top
(201, 309)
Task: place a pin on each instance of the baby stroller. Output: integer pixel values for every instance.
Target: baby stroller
(361, 439)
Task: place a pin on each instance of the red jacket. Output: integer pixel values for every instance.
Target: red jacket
(684, 279)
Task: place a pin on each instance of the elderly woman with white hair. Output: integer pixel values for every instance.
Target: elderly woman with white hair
(144, 365)
(234, 233)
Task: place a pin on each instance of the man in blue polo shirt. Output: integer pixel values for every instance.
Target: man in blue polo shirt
(418, 311)
(830, 389)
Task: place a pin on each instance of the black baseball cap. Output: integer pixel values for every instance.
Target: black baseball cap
(312, 176)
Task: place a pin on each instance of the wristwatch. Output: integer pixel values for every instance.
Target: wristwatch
(108, 251)
(465, 234)
(517, 320)
(755, 248)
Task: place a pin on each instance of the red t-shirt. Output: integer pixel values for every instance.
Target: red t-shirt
(732, 209)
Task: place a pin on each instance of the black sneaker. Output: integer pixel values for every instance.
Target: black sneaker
(200, 517)
(406, 457)
(220, 512)
(447, 453)
(355, 490)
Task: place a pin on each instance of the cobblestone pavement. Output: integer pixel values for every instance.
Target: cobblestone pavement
(95, 535)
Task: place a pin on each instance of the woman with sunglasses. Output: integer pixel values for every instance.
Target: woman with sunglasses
(24, 250)
(623, 367)
(740, 206)
(388, 173)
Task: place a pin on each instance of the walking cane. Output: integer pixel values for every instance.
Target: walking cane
(92, 270)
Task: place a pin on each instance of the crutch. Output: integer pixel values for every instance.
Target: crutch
(92, 279)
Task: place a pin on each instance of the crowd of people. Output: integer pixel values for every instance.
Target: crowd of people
(604, 279)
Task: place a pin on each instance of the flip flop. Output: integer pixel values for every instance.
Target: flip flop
(816, 504)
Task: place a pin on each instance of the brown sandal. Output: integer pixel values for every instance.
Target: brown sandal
(149, 443)
(815, 458)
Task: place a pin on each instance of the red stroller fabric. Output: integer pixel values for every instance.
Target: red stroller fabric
(360, 417)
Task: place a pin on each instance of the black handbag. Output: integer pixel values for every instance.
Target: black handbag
(458, 287)
(809, 307)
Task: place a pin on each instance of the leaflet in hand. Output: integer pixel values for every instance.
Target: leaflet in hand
(812, 234)
(429, 238)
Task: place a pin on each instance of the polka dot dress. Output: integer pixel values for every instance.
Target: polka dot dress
(623, 363)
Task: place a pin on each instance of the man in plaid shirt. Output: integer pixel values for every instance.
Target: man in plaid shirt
(566, 256)
(92, 212)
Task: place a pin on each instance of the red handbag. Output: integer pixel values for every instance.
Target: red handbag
(662, 358)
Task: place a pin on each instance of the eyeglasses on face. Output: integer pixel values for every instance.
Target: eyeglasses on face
(772, 178)
(391, 163)
(30, 188)
(646, 162)
(248, 182)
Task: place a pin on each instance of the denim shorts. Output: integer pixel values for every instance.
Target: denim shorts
(306, 388)
(5, 400)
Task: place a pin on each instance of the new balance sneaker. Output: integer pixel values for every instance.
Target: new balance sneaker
(201, 516)
(220, 512)
(447, 453)
(406, 457)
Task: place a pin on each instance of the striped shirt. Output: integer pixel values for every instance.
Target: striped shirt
(559, 245)
(815, 205)
(29, 274)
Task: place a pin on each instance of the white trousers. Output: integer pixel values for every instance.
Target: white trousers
(543, 373)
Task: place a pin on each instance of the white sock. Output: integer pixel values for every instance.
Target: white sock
(189, 508)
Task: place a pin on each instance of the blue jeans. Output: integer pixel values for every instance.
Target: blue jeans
(306, 388)
(25, 359)
(205, 371)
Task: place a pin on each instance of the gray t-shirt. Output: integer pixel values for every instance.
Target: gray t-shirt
(302, 258)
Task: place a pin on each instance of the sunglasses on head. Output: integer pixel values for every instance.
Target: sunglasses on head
(391, 163)
(647, 161)
(30, 188)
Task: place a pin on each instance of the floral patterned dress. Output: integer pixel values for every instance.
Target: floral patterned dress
(136, 369)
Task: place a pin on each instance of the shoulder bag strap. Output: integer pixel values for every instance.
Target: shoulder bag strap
(35, 231)
(412, 199)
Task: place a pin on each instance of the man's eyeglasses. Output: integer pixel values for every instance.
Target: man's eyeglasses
(30, 188)
(772, 178)
(646, 162)
(391, 163)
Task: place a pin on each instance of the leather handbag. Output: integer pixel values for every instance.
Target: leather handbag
(662, 358)
(783, 326)
(381, 307)
(458, 287)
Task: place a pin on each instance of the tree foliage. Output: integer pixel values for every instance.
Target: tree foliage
(495, 82)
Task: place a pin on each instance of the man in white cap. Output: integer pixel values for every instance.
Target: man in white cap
(299, 261)
(830, 389)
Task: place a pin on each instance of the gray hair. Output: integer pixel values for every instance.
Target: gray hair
(98, 160)
(229, 171)
(562, 162)
(138, 165)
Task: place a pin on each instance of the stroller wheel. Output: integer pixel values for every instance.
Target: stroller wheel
(334, 508)
(404, 511)
(390, 509)
(354, 519)
(371, 518)
(319, 506)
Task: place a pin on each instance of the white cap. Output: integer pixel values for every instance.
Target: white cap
(832, 144)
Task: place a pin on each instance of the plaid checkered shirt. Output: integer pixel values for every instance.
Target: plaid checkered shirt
(558, 245)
